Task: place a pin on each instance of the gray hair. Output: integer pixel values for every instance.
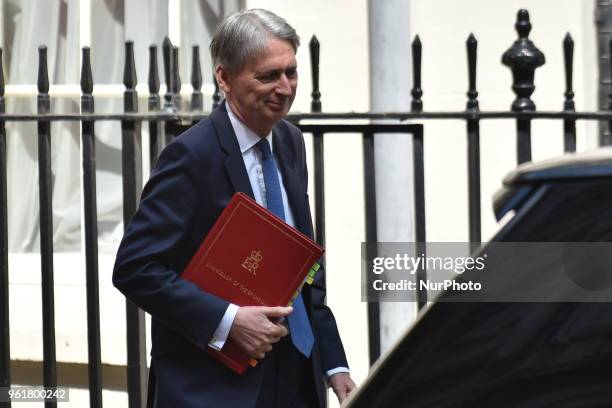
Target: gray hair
(245, 34)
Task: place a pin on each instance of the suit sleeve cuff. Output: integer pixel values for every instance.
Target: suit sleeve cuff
(337, 370)
(220, 335)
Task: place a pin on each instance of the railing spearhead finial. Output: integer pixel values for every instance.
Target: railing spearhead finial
(43, 74)
(86, 75)
(129, 69)
(523, 58)
(314, 46)
(197, 103)
(568, 58)
(196, 70)
(153, 79)
(472, 45)
(166, 47)
(417, 92)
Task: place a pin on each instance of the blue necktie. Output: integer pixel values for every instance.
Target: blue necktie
(301, 333)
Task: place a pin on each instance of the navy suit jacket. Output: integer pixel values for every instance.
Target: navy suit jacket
(194, 179)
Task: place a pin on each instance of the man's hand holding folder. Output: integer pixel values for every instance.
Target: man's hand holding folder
(253, 260)
(257, 328)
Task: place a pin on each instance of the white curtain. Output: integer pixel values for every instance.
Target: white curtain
(200, 17)
(55, 23)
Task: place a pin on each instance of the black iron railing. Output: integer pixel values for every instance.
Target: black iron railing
(165, 123)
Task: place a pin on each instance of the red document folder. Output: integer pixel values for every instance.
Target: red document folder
(250, 257)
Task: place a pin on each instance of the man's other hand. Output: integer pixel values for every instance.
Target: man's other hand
(256, 328)
(342, 384)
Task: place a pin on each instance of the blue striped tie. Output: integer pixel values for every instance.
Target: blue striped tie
(301, 333)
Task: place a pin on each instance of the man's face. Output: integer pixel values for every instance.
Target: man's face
(262, 92)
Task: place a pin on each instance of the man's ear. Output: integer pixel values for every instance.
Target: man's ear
(223, 78)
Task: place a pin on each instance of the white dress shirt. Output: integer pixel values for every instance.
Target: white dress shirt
(253, 163)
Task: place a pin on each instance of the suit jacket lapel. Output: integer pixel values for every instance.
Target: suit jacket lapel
(293, 184)
(234, 164)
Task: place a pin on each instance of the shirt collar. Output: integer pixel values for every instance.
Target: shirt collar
(246, 137)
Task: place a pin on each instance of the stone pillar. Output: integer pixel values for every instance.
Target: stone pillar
(390, 84)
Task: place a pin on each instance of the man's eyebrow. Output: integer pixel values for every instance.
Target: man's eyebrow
(276, 71)
(269, 72)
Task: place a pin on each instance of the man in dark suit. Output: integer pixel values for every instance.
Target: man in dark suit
(245, 145)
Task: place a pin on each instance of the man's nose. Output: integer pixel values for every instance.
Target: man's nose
(284, 86)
